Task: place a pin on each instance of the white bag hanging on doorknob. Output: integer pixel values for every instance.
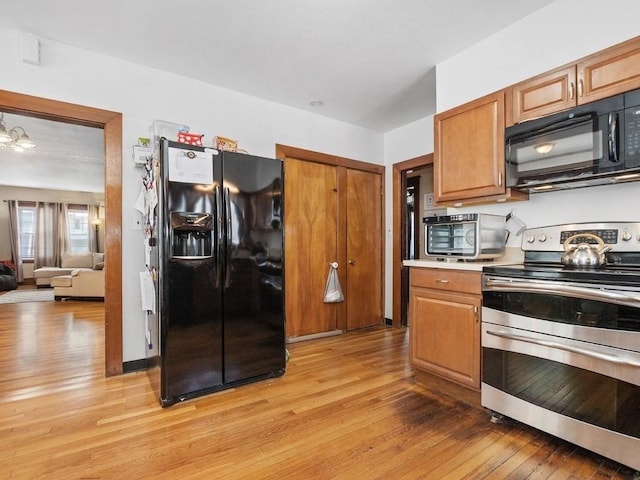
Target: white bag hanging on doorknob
(333, 291)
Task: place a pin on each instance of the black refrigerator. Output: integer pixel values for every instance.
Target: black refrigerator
(217, 260)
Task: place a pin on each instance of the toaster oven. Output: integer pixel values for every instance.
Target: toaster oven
(468, 236)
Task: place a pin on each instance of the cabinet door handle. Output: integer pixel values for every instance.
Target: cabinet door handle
(441, 280)
(580, 88)
(476, 313)
(499, 179)
(572, 92)
(352, 262)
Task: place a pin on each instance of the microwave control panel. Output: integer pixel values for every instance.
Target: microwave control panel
(632, 136)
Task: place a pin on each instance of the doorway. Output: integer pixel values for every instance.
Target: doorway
(400, 239)
(410, 238)
(412, 218)
(111, 123)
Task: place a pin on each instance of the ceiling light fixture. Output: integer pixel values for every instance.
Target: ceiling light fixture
(543, 148)
(15, 139)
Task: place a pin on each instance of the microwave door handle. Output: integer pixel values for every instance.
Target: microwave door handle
(553, 126)
(614, 137)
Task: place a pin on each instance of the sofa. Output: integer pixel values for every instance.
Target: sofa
(81, 283)
(70, 262)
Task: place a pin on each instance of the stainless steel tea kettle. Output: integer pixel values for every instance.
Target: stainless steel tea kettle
(584, 255)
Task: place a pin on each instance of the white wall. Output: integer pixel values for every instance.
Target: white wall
(142, 94)
(557, 34)
(401, 144)
(560, 33)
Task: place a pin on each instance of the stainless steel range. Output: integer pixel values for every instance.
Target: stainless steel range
(561, 336)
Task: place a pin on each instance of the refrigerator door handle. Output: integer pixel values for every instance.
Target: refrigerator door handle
(219, 236)
(227, 203)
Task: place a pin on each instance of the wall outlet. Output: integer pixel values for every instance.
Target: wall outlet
(428, 200)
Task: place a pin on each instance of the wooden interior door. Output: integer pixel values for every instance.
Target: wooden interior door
(311, 224)
(364, 249)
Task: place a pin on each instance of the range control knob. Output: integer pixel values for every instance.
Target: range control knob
(626, 236)
(542, 237)
(531, 239)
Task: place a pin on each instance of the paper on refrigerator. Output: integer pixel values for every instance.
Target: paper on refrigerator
(148, 292)
(189, 166)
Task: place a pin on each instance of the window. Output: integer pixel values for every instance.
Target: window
(77, 229)
(27, 227)
(78, 226)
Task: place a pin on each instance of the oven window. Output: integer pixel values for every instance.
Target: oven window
(586, 396)
(453, 238)
(562, 309)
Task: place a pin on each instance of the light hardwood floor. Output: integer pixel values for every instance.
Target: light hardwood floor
(347, 408)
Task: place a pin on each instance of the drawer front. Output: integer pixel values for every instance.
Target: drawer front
(449, 280)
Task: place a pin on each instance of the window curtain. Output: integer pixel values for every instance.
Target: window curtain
(14, 233)
(51, 234)
(94, 214)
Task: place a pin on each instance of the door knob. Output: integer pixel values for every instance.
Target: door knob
(352, 262)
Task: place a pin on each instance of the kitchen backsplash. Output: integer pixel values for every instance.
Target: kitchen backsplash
(592, 204)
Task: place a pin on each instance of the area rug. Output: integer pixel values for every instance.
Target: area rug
(20, 296)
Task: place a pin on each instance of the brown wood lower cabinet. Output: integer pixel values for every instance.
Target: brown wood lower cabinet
(444, 324)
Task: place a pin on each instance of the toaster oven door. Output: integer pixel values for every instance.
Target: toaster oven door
(456, 239)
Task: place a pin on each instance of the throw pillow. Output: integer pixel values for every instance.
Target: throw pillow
(77, 260)
(98, 258)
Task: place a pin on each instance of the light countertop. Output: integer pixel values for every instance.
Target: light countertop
(512, 256)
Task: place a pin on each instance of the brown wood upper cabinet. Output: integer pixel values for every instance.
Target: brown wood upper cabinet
(469, 150)
(543, 95)
(606, 73)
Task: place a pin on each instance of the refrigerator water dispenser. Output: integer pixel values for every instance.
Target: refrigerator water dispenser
(191, 235)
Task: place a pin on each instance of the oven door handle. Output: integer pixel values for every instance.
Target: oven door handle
(556, 288)
(568, 348)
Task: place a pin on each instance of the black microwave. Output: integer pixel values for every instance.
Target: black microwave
(593, 144)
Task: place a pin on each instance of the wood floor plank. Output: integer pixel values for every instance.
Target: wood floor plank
(348, 407)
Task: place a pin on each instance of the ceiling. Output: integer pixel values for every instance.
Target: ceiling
(67, 157)
(371, 62)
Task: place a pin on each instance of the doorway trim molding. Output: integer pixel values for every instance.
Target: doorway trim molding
(111, 123)
(399, 208)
